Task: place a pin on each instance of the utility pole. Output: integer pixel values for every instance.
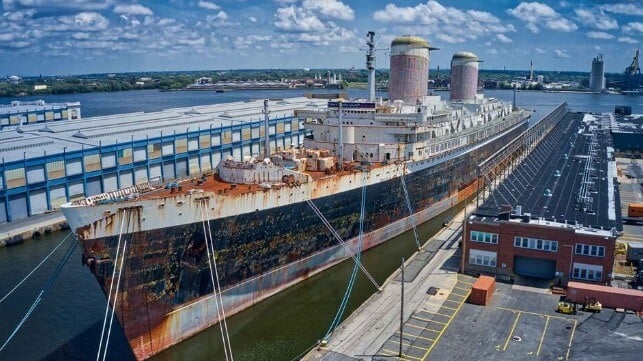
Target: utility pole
(402, 310)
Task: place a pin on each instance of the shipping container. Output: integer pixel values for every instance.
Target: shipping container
(610, 297)
(634, 251)
(482, 290)
(635, 210)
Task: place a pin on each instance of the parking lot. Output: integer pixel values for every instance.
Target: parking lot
(521, 323)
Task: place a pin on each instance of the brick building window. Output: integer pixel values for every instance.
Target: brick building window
(535, 243)
(482, 258)
(590, 250)
(484, 237)
(588, 272)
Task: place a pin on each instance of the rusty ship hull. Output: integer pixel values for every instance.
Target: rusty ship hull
(265, 240)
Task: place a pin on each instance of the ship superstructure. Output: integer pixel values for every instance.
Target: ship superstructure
(260, 216)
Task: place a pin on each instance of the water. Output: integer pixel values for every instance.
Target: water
(67, 323)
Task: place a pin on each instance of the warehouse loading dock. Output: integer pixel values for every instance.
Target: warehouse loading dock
(534, 267)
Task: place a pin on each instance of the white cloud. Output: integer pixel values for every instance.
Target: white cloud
(561, 53)
(335, 33)
(540, 50)
(208, 5)
(219, 19)
(633, 27)
(537, 14)
(293, 19)
(533, 28)
(330, 8)
(627, 39)
(133, 9)
(85, 21)
(503, 38)
(253, 19)
(447, 24)
(600, 35)
(596, 19)
(47, 5)
(626, 9)
(242, 42)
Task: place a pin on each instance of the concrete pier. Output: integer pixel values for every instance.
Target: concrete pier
(20, 230)
(433, 295)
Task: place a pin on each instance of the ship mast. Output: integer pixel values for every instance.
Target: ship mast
(370, 65)
(341, 140)
(266, 119)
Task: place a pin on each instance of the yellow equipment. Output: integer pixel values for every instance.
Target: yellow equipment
(566, 307)
(621, 248)
(592, 305)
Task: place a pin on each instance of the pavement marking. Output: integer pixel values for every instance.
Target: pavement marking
(420, 327)
(448, 300)
(427, 320)
(408, 344)
(457, 294)
(448, 308)
(397, 354)
(435, 313)
(460, 288)
(571, 337)
(534, 313)
(542, 338)
(420, 337)
(428, 351)
(513, 328)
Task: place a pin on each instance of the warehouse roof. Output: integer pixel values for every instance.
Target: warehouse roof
(568, 179)
(19, 107)
(34, 140)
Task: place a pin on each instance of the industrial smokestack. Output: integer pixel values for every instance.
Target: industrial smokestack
(464, 76)
(409, 78)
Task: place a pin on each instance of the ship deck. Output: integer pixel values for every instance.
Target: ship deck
(211, 182)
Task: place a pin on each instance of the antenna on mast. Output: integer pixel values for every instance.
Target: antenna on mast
(370, 65)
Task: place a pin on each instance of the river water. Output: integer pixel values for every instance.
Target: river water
(67, 323)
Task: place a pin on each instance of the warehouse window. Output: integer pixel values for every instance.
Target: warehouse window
(588, 272)
(482, 258)
(484, 237)
(590, 250)
(535, 243)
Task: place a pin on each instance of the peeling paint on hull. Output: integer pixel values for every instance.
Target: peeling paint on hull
(166, 289)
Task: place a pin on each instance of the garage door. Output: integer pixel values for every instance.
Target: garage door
(110, 182)
(38, 201)
(18, 206)
(93, 186)
(534, 267)
(125, 179)
(57, 195)
(141, 175)
(155, 171)
(3, 212)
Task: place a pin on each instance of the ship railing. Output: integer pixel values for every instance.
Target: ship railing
(119, 195)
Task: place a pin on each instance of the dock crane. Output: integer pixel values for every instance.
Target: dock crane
(634, 68)
(632, 75)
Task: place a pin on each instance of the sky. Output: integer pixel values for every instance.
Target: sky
(64, 37)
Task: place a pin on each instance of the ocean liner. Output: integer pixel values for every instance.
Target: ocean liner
(257, 220)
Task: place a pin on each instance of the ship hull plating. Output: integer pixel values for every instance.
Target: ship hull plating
(166, 286)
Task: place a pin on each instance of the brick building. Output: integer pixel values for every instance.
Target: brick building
(553, 216)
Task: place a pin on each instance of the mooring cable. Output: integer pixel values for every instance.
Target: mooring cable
(43, 292)
(37, 267)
